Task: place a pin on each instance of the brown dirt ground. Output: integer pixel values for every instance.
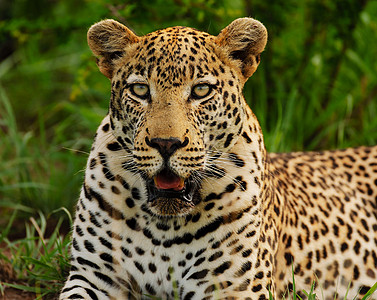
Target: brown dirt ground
(13, 294)
(7, 275)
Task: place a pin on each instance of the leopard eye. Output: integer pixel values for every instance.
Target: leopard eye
(201, 90)
(141, 90)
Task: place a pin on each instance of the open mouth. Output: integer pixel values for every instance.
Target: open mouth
(169, 194)
(165, 181)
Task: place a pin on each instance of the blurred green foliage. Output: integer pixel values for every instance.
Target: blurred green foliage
(316, 87)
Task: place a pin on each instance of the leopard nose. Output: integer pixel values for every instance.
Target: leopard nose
(166, 147)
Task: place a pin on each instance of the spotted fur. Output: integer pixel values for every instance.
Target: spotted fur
(181, 200)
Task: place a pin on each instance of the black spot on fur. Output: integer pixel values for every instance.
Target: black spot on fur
(114, 146)
(222, 268)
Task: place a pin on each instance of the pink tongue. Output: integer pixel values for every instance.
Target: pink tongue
(165, 181)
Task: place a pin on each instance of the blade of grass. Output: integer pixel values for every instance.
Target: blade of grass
(370, 292)
(294, 284)
(5, 232)
(348, 289)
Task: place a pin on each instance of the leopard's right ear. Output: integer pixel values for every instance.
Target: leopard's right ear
(109, 40)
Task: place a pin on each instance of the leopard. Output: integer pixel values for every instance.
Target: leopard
(181, 199)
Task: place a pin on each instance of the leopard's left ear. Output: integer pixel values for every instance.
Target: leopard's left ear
(243, 41)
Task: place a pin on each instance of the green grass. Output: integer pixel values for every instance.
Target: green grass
(311, 295)
(39, 260)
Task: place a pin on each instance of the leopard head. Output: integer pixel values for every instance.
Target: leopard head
(176, 101)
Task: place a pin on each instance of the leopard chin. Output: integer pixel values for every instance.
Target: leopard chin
(171, 206)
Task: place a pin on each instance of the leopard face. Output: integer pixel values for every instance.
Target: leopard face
(176, 102)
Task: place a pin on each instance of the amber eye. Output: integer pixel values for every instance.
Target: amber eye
(201, 90)
(141, 90)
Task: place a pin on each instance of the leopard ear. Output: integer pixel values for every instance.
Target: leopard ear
(243, 41)
(108, 41)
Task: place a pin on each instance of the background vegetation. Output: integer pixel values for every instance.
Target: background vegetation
(316, 88)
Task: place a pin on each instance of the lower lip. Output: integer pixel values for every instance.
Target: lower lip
(171, 194)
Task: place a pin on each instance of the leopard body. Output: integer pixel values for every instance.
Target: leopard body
(180, 198)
